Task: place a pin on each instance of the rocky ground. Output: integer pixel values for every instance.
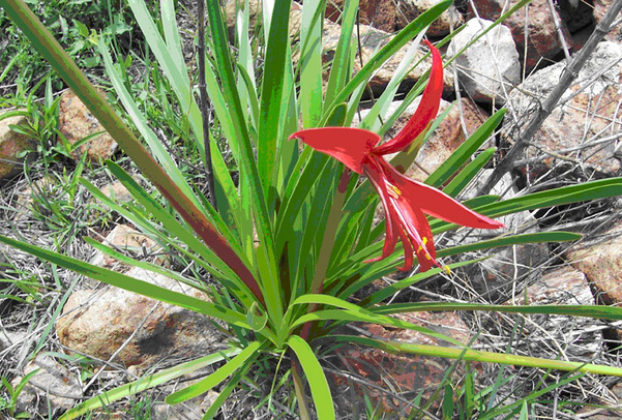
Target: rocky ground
(122, 336)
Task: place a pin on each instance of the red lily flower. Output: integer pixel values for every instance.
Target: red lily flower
(405, 201)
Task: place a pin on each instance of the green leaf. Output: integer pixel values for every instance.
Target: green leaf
(215, 378)
(526, 238)
(226, 391)
(272, 92)
(320, 392)
(462, 179)
(351, 312)
(143, 264)
(51, 50)
(397, 42)
(388, 291)
(168, 55)
(341, 66)
(131, 284)
(310, 62)
(465, 151)
(590, 311)
(478, 356)
(147, 382)
(588, 191)
(155, 145)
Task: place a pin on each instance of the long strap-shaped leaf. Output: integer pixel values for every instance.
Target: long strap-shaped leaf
(387, 51)
(320, 392)
(147, 382)
(352, 312)
(215, 378)
(266, 263)
(131, 284)
(49, 48)
(590, 311)
(478, 356)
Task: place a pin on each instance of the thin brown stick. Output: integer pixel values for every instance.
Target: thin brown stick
(548, 105)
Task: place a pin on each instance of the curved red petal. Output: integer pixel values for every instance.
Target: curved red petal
(426, 111)
(347, 145)
(436, 203)
(408, 252)
(375, 177)
(418, 231)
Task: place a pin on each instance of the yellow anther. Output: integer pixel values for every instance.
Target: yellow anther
(428, 257)
(447, 270)
(396, 191)
(425, 241)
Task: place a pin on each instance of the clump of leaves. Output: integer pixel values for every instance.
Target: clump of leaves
(294, 238)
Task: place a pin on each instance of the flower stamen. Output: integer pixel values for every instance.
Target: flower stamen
(394, 191)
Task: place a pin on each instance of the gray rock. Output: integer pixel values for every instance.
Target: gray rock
(586, 116)
(53, 386)
(489, 68)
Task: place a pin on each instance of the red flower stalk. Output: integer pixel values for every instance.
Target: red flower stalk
(405, 201)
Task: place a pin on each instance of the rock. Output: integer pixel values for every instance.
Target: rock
(371, 41)
(117, 192)
(543, 43)
(255, 9)
(12, 144)
(575, 336)
(393, 15)
(99, 322)
(449, 20)
(494, 277)
(52, 388)
(76, 122)
(446, 138)
(583, 127)
(401, 375)
(380, 14)
(489, 67)
(130, 242)
(602, 265)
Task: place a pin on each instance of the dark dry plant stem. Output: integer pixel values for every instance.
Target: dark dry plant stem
(568, 75)
(205, 106)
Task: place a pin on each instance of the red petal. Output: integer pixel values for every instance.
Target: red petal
(426, 111)
(348, 145)
(408, 253)
(436, 203)
(390, 239)
(418, 230)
